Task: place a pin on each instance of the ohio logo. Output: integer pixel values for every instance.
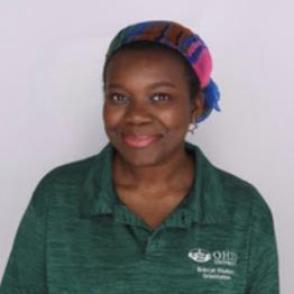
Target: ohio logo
(199, 255)
(219, 257)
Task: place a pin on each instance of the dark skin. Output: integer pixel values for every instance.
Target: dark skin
(147, 101)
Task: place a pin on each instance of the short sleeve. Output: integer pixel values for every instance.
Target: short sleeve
(263, 277)
(26, 267)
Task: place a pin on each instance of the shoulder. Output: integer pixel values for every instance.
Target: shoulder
(71, 173)
(243, 199)
(69, 181)
(62, 182)
(229, 196)
(240, 199)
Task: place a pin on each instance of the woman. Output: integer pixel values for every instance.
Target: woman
(149, 213)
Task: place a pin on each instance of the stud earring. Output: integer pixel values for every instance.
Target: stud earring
(192, 127)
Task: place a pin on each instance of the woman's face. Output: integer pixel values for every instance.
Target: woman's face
(147, 107)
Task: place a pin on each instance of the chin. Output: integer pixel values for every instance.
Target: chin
(137, 158)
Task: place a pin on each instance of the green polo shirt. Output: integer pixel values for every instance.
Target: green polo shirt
(77, 237)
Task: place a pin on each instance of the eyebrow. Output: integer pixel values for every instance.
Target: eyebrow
(162, 84)
(152, 85)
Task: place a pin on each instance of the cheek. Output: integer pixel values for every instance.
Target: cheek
(111, 117)
(176, 119)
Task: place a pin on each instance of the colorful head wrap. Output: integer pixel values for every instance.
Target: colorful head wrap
(180, 38)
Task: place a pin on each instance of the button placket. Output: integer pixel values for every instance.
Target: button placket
(153, 242)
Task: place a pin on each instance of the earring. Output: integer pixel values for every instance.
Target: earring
(192, 127)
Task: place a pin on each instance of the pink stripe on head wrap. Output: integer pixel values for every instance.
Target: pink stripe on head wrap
(203, 68)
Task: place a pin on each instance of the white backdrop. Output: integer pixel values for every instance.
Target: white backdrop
(51, 54)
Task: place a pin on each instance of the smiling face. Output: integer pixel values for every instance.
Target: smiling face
(147, 107)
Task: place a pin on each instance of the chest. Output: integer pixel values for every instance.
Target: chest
(112, 254)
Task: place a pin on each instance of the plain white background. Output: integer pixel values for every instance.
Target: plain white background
(51, 54)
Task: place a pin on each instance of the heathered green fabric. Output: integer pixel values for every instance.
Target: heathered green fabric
(77, 237)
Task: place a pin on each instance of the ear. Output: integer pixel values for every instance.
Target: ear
(197, 106)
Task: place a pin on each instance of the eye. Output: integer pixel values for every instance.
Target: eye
(118, 98)
(160, 97)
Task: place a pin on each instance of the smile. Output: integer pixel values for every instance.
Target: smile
(140, 141)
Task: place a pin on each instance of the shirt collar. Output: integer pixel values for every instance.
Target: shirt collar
(203, 204)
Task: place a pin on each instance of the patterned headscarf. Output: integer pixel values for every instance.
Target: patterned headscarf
(184, 41)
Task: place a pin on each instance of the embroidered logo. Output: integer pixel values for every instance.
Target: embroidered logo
(214, 265)
(219, 257)
(199, 255)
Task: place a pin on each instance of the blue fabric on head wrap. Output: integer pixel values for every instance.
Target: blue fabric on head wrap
(211, 97)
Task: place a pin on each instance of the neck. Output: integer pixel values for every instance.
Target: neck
(178, 168)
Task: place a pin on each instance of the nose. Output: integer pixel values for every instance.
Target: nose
(137, 113)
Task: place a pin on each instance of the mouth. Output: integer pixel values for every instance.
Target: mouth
(140, 141)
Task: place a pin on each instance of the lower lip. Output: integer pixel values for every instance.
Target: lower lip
(140, 141)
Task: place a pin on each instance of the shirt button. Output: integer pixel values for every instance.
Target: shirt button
(154, 245)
